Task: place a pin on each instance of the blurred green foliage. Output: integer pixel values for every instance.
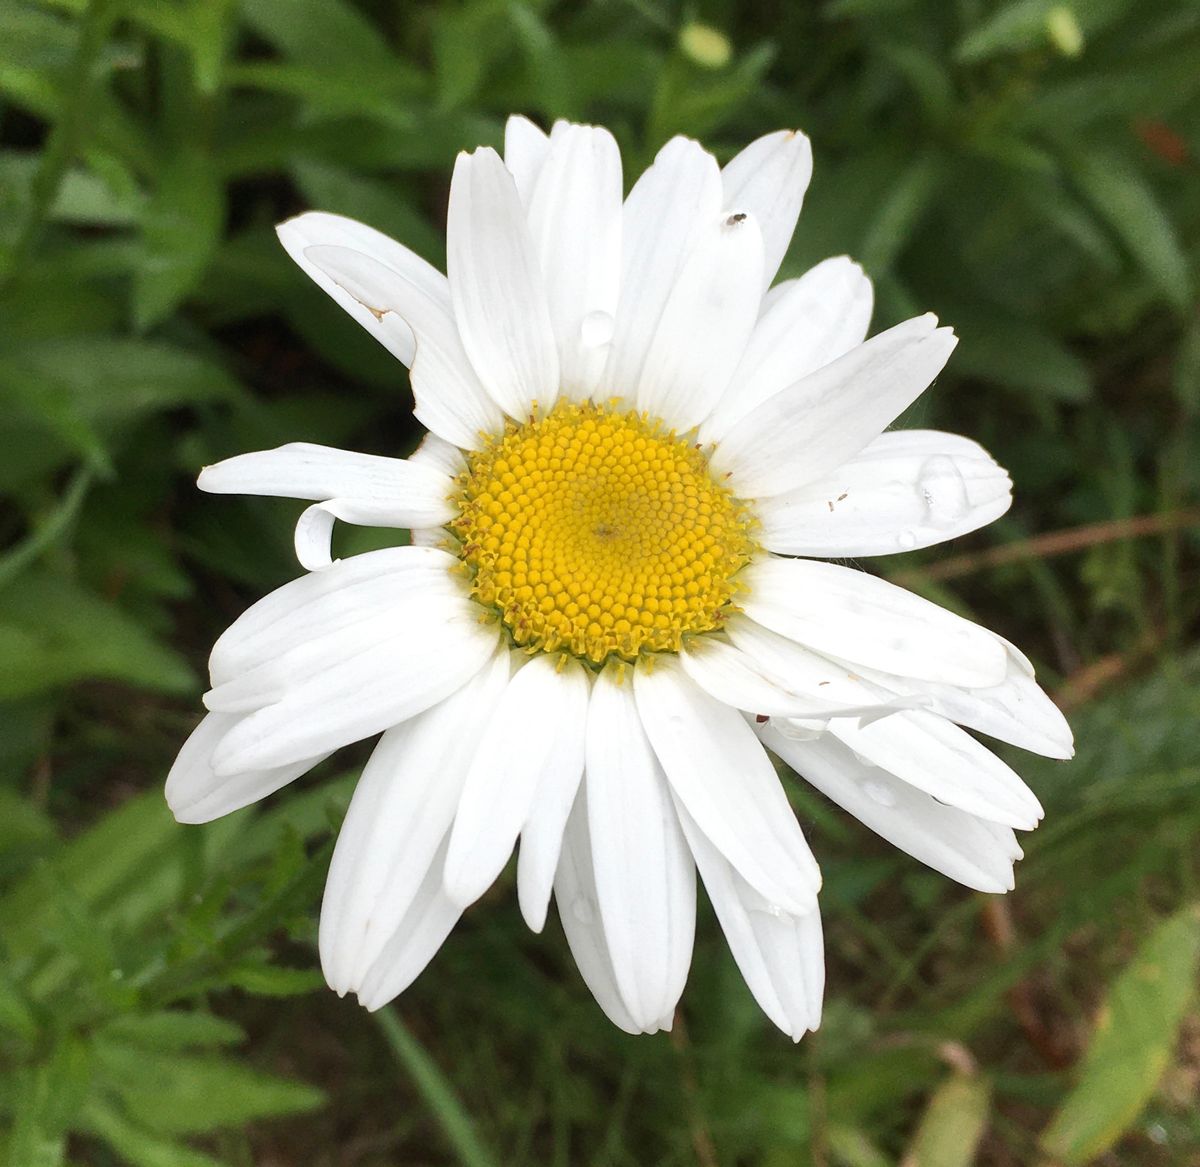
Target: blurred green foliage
(1025, 168)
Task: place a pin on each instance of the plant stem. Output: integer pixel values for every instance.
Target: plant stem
(439, 1095)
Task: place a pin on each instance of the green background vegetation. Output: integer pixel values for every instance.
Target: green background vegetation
(1026, 169)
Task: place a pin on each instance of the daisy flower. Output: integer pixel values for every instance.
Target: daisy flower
(615, 605)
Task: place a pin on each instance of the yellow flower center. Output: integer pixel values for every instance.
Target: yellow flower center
(594, 531)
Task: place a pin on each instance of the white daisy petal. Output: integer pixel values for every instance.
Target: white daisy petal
(451, 399)
(430, 917)
(387, 491)
(353, 592)
(938, 757)
(525, 149)
(781, 956)
(720, 773)
(805, 324)
(575, 223)
(439, 454)
(308, 658)
(645, 878)
(400, 814)
(907, 489)
(769, 178)
(737, 678)
(196, 794)
(957, 844)
(705, 323)
(317, 228)
(579, 910)
(313, 539)
(858, 617)
(669, 203)
(542, 834)
(1015, 711)
(497, 287)
(521, 747)
(806, 430)
(425, 659)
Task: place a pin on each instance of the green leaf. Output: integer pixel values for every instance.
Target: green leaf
(909, 196)
(181, 228)
(171, 1030)
(997, 346)
(52, 632)
(174, 1094)
(1132, 1043)
(92, 868)
(16, 1017)
(467, 39)
(1122, 197)
(380, 204)
(268, 980)
(952, 1125)
(318, 32)
(1020, 25)
(136, 1145)
(82, 386)
(47, 1099)
(38, 48)
(200, 26)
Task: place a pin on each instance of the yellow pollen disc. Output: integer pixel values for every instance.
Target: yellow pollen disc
(595, 532)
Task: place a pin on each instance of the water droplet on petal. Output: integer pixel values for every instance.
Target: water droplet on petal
(596, 329)
(943, 491)
(907, 540)
(878, 792)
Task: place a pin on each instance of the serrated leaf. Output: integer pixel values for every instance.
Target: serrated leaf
(952, 1125)
(1122, 197)
(174, 1094)
(1131, 1044)
(171, 1030)
(92, 867)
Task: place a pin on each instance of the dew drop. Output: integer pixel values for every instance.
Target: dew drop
(906, 540)
(878, 792)
(943, 490)
(596, 329)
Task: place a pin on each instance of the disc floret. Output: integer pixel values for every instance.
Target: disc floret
(593, 530)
